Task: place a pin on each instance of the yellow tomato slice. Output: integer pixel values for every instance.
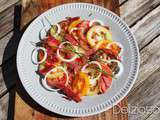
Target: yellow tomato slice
(97, 35)
(81, 83)
(74, 24)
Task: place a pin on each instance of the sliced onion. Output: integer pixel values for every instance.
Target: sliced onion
(93, 81)
(63, 59)
(73, 29)
(44, 81)
(95, 20)
(120, 65)
(55, 32)
(34, 59)
(108, 46)
(59, 28)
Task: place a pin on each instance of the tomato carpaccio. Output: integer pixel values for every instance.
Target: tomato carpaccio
(73, 46)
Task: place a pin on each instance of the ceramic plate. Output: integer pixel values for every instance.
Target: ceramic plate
(90, 105)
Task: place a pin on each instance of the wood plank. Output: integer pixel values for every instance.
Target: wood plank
(4, 107)
(122, 1)
(34, 8)
(150, 62)
(154, 116)
(3, 44)
(42, 114)
(5, 4)
(6, 21)
(146, 97)
(133, 10)
(147, 28)
(7, 106)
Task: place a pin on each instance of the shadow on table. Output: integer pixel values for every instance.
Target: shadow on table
(10, 74)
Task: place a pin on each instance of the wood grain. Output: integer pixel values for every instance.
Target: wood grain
(122, 1)
(34, 8)
(154, 116)
(133, 10)
(150, 62)
(149, 97)
(3, 43)
(4, 107)
(4, 4)
(36, 115)
(6, 21)
(147, 28)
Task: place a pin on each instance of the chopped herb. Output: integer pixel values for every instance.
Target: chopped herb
(100, 70)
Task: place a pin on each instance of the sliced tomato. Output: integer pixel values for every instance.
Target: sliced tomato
(52, 60)
(40, 55)
(69, 92)
(57, 75)
(83, 28)
(52, 42)
(105, 83)
(90, 51)
(111, 53)
(71, 19)
(66, 52)
(107, 69)
(44, 70)
(71, 39)
(81, 84)
(74, 66)
(79, 61)
(73, 24)
(97, 35)
(84, 25)
(106, 79)
(117, 47)
(64, 25)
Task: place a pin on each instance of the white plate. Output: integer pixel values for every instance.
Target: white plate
(54, 101)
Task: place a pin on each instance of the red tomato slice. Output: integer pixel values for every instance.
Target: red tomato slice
(44, 71)
(111, 53)
(106, 79)
(54, 82)
(40, 55)
(52, 42)
(64, 25)
(71, 19)
(105, 83)
(102, 86)
(106, 68)
(84, 24)
(69, 92)
(71, 39)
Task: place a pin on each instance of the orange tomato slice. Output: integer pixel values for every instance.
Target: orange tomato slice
(81, 84)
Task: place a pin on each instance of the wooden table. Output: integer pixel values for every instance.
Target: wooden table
(143, 16)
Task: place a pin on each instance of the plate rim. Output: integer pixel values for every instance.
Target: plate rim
(100, 109)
